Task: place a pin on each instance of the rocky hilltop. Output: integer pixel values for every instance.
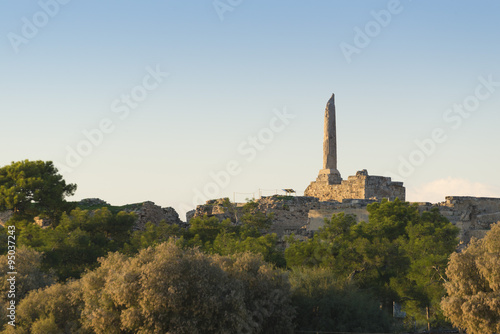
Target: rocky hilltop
(303, 215)
(146, 212)
(150, 212)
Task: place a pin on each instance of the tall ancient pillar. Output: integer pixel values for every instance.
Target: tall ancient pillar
(329, 173)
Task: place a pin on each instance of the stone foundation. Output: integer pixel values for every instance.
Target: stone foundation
(360, 186)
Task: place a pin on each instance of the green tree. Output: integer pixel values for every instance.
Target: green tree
(82, 237)
(152, 235)
(212, 236)
(204, 230)
(165, 289)
(427, 244)
(32, 188)
(253, 217)
(473, 287)
(30, 276)
(325, 304)
(27, 233)
(168, 289)
(266, 293)
(266, 245)
(225, 238)
(398, 255)
(331, 247)
(55, 309)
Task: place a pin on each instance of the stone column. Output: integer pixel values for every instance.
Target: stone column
(329, 173)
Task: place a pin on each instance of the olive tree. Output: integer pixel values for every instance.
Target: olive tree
(473, 288)
(170, 290)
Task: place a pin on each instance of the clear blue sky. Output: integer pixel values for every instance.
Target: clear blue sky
(396, 68)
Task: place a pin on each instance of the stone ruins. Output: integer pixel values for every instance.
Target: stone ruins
(329, 184)
(304, 215)
(329, 195)
(326, 196)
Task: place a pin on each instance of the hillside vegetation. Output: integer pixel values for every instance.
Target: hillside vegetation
(90, 272)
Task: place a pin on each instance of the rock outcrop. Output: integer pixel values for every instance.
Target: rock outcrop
(150, 212)
(220, 208)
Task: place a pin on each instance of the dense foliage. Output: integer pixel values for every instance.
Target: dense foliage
(165, 290)
(216, 237)
(89, 272)
(398, 255)
(473, 300)
(33, 188)
(30, 276)
(327, 305)
(77, 242)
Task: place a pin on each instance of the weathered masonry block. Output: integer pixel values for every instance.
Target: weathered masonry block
(360, 186)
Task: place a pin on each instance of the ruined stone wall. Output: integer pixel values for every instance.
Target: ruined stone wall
(382, 187)
(304, 215)
(360, 186)
(290, 213)
(472, 215)
(353, 187)
(217, 208)
(300, 215)
(316, 218)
